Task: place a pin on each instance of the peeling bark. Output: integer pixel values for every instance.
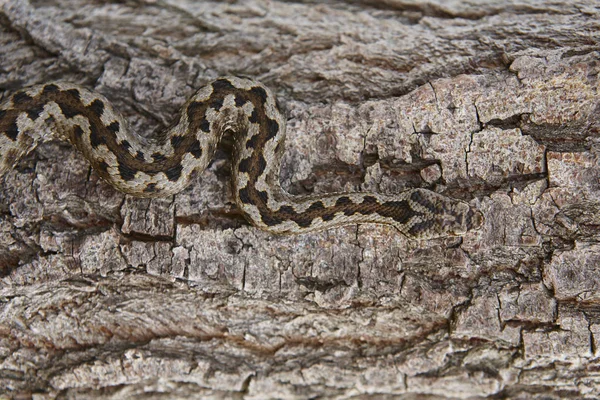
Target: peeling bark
(497, 104)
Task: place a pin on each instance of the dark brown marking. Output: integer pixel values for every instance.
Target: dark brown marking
(244, 195)
(350, 211)
(343, 201)
(158, 157)
(12, 131)
(312, 212)
(193, 108)
(244, 166)
(21, 98)
(97, 107)
(174, 173)
(252, 142)
(287, 210)
(150, 188)
(114, 127)
(328, 216)
(272, 219)
(217, 104)
(272, 129)
(260, 166)
(196, 115)
(126, 172)
(263, 196)
(222, 85)
(140, 156)
(316, 206)
(51, 88)
(205, 125)
(74, 93)
(399, 211)
(253, 117)
(195, 149)
(239, 101)
(260, 93)
(96, 139)
(34, 111)
(24, 102)
(68, 110)
(303, 222)
(176, 141)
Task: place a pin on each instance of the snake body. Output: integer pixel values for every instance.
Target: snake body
(162, 167)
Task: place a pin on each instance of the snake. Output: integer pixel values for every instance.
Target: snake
(163, 165)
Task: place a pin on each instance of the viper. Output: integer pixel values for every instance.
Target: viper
(163, 166)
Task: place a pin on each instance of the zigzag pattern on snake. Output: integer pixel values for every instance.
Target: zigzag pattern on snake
(152, 168)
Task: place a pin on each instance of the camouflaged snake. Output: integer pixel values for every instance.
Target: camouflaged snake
(152, 168)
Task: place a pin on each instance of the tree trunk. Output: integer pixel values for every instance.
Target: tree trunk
(106, 295)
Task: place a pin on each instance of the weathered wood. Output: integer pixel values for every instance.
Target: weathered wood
(109, 296)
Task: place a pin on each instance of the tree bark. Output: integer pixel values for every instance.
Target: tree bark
(105, 295)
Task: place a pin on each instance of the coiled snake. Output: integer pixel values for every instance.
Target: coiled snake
(152, 168)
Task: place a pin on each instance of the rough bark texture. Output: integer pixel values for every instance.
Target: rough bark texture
(103, 295)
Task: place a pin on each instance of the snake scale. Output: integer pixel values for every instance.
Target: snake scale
(163, 166)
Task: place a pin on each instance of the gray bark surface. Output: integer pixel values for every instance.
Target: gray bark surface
(108, 296)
